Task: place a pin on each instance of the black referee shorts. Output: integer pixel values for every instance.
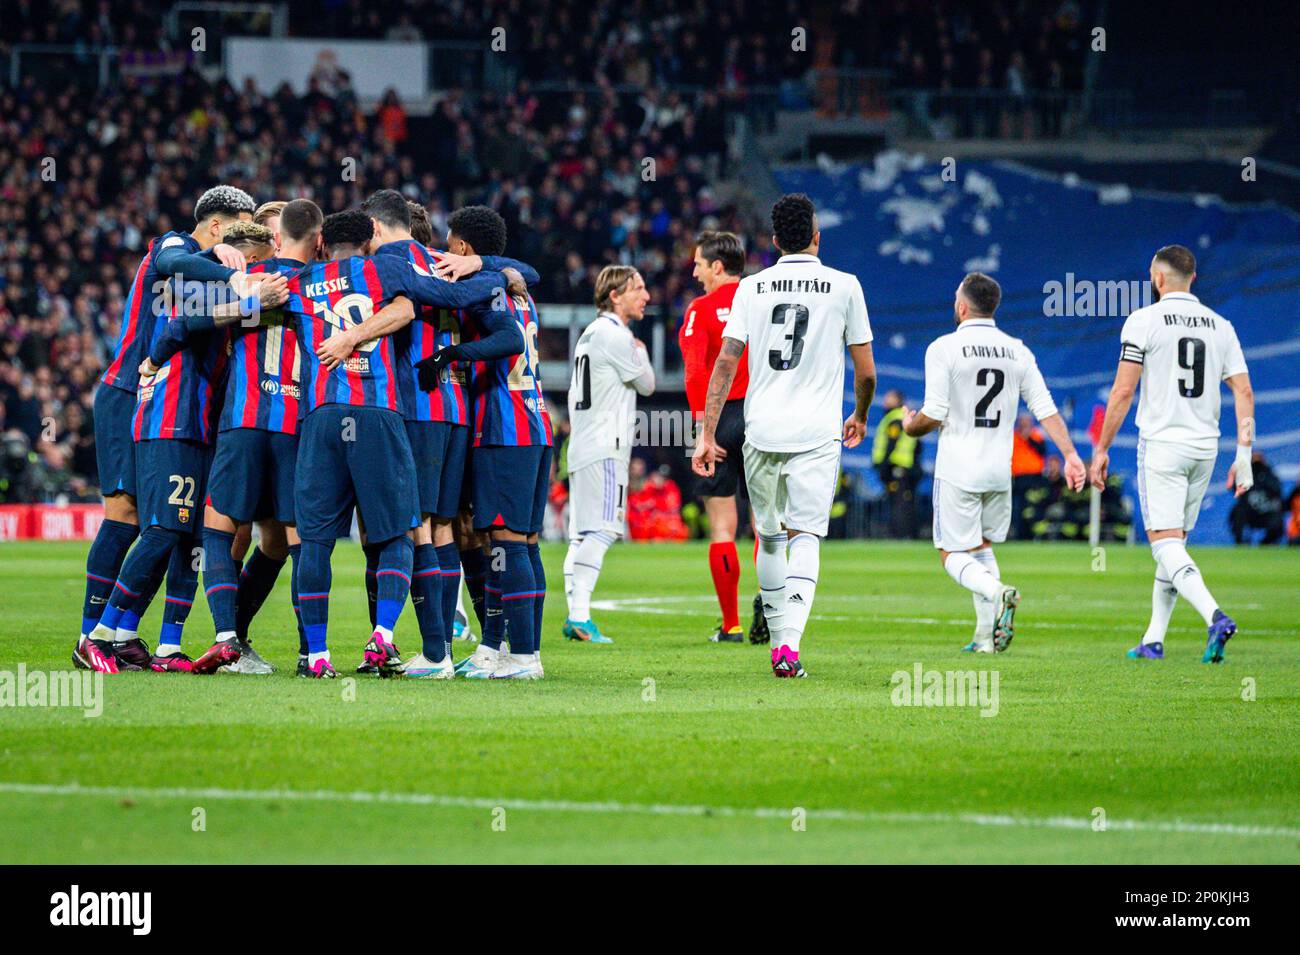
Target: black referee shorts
(728, 473)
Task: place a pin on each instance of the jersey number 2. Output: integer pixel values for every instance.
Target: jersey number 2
(982, 378)
(782, 315)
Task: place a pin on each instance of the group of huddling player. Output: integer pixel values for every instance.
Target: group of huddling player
(288, 369)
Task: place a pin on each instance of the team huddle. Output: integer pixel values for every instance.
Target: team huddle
(282, 368)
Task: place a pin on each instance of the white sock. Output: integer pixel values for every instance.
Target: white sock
(103, 633)
(570, 556)
(586, 571)
(167, 649)
(312, 658)
(771, 567)
(222, 636)
(385, 633)
(123, 635)
(970, 573)
(1163, 597)
(984, 607)
(803, 566)
(1181, 571)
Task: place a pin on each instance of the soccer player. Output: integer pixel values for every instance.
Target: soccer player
(610, 368)
(436, 425)
(1179, 350)
(511, 456)
(117, 645)
(353, 446)
(719, 262)
(252, 476)
(796, 316)
(974, 379)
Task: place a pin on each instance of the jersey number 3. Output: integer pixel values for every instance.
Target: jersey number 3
(795, 330)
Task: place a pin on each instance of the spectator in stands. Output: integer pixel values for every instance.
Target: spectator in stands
(654, 505)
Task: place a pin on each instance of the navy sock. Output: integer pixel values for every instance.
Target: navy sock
(256, 582)
(112, 541)
(539, 601)
(494, 619)
(372, 581)
(141, 571)
(182, 584)
(426, 597)
(475, 564)
(515, 580)
(220, 584)
(393, 580)
(448, 586)
(314, 579)
(295, 554)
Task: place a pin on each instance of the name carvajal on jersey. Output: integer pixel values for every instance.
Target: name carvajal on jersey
(987, 351)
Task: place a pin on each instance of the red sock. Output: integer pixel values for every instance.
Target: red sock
(725, 566)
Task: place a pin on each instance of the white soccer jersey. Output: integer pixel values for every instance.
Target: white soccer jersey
(796, 317)
(607, 364)
(974, 380)
(1185, 350)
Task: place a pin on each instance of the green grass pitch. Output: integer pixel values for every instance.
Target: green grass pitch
(664, 747)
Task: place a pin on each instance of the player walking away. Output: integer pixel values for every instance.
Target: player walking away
(719, 262)
(353, 448)
(117, 645)
(796, 317)
(610, 368)
(436, 425)
(974, 380)
(511, 456)
(1179, 350)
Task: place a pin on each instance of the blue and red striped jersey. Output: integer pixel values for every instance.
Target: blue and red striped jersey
(181, 401)
(432, 329)
(140, 314)
(264, 384)
(327, 297)
(509, 408)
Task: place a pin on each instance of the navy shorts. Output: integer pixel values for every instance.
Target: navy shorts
(510, 487)
(253, 474)
(173, 475)
(354, 456)
(114, 444)
(439, 450)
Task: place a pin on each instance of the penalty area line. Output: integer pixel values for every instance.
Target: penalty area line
(644, 809)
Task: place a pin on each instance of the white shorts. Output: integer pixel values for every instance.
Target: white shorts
(792, 490)
(964, 519)
(1171, 485)
(598, 498)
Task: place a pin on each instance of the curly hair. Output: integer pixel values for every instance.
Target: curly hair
(481, 227)
(247, 233)
(792, 222)
(352, 227)
(226, 201)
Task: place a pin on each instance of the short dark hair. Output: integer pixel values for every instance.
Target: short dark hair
(792, 222)
(982, 292)
(300, 219)
(352, 227)
(421, 226)
(389, 207)
(1179, 258)
(482, 227)
(724, 247)
(226, 201)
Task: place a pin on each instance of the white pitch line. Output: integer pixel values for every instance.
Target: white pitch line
(644, 809)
